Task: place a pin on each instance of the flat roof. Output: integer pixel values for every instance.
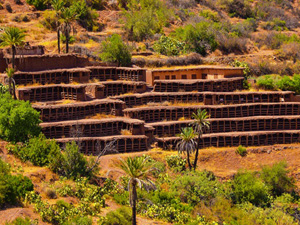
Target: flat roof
(197, 68)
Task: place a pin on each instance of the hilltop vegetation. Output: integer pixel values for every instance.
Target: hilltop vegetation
(166, 28)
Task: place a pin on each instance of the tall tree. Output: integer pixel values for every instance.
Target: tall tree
(187, 143)
(11, 82)
(12, 37)
(200, 124)
(137, 169)
(58, 5)
(68, 15)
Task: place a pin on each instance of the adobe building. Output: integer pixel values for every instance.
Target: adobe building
(202, 72)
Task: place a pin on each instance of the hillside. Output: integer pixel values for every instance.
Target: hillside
(84, 144)
(258, 32)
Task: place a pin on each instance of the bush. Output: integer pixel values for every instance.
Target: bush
(277, 179)
(238, 8)
(49, 20)
(114, 50)
(80, 220)
(195, 187)
(12, 188)
(38, 150)
(199, 38)
(86, 17)
(39, 4)
(145, 18)
(247, 187)
(71, 163)
(176, 163)
(267, 82)
(241, 150)
(209, 14)
(18, 120)
(119, 216)
(20, 221)
(169, 46)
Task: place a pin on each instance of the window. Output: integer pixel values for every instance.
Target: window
(173, 77)
(167, 77)
(204, 76)
(183, 76)
(194, 76)
(156, 78)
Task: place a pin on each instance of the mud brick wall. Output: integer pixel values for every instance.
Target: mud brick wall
(242, 138)
(112, 88)
(117, 73)
(79, 75)
(51, 113)
(143, 99)
(50, 62)
(219, 85)
(193, 73)
(92, 145)
(96, 90)
(160, 113)
(92, 128)
(240, 124)
(52, 93)
(209, 98)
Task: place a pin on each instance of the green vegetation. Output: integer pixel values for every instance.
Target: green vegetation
(169, 46)
(200, 125)
(137, 169)
(241, 150)
(275, 82)
(39, 4)
(119, 216)
(38, 150)
(144, 18)
(18, 120)
(13, 188)
(187, 143)
(115, 50)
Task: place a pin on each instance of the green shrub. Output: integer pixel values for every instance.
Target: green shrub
(39, 4)
(195, 187)
(169, 46)
(12, 187)
(238, 8)
(277, 179)
(80, 220)
(241, 150)
(211, 15)
(275, 24)
(49, 20)
(176, 163)
(86, 17)
(199, 38)
(38, 150)
(71, 163)
(115, 50)
(18, 120)
(144, 18)
(119, 216)
(20, 221)
(247, 187)
(267, 82)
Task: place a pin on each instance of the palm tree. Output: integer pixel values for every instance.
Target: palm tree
(187, 143)
(68, 15)
(58, 5)
(137, 169)
(12, 37)
(11, 82)
(200, 123)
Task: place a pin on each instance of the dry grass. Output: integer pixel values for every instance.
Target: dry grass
(166, 103)
(126, 132)
(67, 102)
(100, 116)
